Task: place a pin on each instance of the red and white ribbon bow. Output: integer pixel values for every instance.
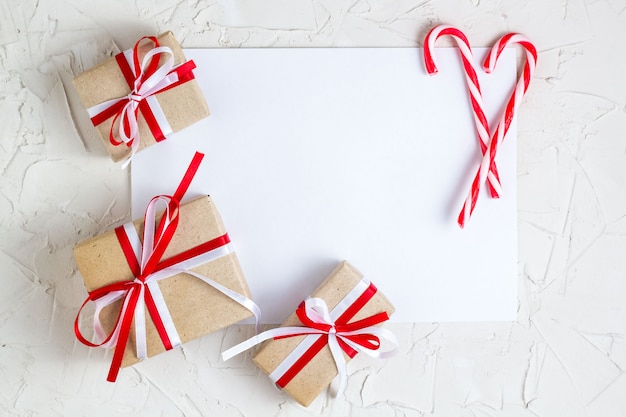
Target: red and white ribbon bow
(323, 327)
(487, 170)
(155, 73)
(144, 260)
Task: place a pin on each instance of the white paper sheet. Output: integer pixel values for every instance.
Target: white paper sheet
(318, 155)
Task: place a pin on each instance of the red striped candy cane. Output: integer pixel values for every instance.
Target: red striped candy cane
(507, 116)
(473, 86)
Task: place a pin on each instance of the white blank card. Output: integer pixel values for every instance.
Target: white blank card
(319, 155)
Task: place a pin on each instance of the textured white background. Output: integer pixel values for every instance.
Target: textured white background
(563, 357)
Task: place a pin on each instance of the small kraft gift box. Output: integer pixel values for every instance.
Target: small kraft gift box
(341, 318)
(142, 95)
(183, 273)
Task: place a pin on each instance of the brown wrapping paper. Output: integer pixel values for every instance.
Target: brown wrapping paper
(182, 105)
(321, 370)
(196, 308)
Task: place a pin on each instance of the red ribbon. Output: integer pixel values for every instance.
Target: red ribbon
(133, 289)
(135, 77)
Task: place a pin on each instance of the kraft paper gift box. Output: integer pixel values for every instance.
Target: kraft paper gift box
(181, 105)
(320, 371)
(195, 307)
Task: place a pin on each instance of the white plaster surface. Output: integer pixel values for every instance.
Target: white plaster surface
(564, 356)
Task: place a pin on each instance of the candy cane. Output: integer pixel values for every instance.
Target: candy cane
(507, 116)
(465, 51)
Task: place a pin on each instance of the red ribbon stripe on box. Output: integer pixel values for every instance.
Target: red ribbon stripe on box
(154, 74)
(144, 260)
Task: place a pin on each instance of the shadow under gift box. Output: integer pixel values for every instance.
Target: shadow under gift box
(196, 308)
(317, 374)
(182, 105)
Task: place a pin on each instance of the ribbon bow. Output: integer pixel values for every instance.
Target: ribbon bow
(144, 79)
(351, 337)
(144, 260)
(359, 336)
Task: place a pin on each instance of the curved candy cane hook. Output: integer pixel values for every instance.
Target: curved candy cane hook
(473, 86)
(507, 116)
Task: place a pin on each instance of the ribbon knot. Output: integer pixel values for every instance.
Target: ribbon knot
(134, 97)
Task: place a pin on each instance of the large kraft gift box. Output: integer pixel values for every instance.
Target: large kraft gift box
(182, 105)
(321, 370)
(196, 308)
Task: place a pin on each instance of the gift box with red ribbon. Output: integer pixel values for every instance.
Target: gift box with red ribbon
(163, 280)
(340, 319)
(142, 95)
